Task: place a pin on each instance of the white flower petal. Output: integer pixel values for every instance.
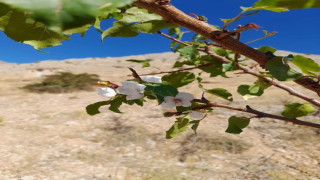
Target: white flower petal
(151, 79)
(168, 99)
(186, 103)
(196, 115)
(185, 96)
(106, 92)
(129, 83)
(134, 96)
(123, 90)
(168, 104)
(140, 88)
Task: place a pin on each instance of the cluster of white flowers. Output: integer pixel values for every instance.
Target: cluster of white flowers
(131, 89)
(182, 99)
(134, 90)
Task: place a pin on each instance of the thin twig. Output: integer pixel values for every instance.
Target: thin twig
(180, 70)
(267, 35)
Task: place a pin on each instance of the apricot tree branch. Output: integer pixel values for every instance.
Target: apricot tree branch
(290, 90)
(173, 15)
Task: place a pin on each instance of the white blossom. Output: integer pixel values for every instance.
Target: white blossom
(195, 114)
(106, 92)
(151, 79)
(181, 99)
(132, 89)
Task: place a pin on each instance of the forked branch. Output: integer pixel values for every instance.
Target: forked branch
(175, 16)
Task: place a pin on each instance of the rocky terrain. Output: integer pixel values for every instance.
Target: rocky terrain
(50, 136)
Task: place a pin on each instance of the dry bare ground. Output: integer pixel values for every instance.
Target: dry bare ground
(50, 136)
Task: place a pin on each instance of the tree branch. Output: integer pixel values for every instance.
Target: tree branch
(290, 90)
(175, 16)
(259, 114)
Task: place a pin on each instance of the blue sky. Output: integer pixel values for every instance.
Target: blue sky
(298, 31)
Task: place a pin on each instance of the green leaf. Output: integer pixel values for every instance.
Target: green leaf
(250, 90)
(280, 70)
(268, 8)
(262, 84)
(144, 63)
(93, 109)
(291, 4)
(265, 49)
(307, 65)
(120, 29)
(236, 124)
(135, 14)
(17, 26)
(220, 92)
(160, 91)
(195, 125)
(189, 52)
(297, 110)
(215, 69)
(181, 63)
(179, 79)
(61, 15)
(179, 126)
(116, 102)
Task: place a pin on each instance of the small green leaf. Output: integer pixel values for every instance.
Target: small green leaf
(195, 125)
(262, 84)
(236, 124)
(179, 79)
(120, 29)
(179, 126)
(280, 70)
(250, 90)
(189, 52)
(265, 49)
(181, 63)
(116, 102)
(307, 65)
(144, 63)
(220, 92)
(135, 14)
(93, 109)
(291, 4)
(160, 91)
(297, 110)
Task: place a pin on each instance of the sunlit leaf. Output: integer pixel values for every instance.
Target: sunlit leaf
(236, 124)
(265, 49)
(250, 90)
(189, 52)
(179, 126)
(160, 91)
(220, 92)
(195, 125)
(61, 15)
(280, 70)
(291, 4)
(179, 79)
(297, 110)
(144, 63)
(307, 65)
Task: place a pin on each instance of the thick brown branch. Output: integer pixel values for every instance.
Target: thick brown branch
(175, 16)
(259, 114)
